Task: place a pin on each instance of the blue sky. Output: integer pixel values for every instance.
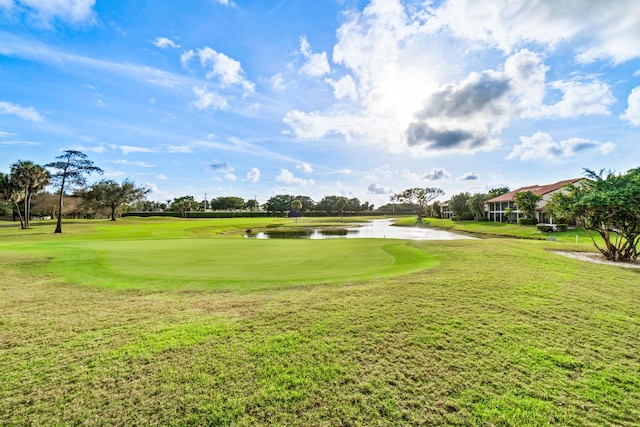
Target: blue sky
(326, 97)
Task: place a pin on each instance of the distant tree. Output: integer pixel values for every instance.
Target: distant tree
(307, 203)
(72, 167)
(609, 205)
(419, 198)
(111, 195)
(526, 202)
(341, 205)
(31, 179)
(252, 204)
(11, 195)
(279, 203)
(458, 204)
(495, 192)
(476, 205)
(183, 205)
(227, 203)
(436, 210)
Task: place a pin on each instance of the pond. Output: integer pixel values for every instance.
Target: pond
(375, 229)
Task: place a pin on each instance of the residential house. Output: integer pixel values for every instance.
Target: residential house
(445, 212)
(497, 206)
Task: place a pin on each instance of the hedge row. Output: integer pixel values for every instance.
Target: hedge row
(244, 214)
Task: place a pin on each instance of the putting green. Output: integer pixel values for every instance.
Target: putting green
(238, 264)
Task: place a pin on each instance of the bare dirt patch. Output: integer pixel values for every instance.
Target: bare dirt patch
(597, 258)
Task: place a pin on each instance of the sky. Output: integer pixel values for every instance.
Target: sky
(322, 97)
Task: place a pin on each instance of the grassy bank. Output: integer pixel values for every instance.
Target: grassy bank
(497, 332)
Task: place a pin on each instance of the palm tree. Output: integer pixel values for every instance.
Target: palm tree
(30, 178)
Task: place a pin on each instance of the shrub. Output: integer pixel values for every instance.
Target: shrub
(527, 221)
(482, 219)
(547, 228)
(455, 218)
(467, 216)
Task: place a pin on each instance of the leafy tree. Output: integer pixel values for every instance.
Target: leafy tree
(526, 202)
(458, 204)
(72, 167)
(419, 198)
(226, 203)
(183, 205)
(279, 203)
(436, 210)
(30, 178)
(252, 204)
(109, 194)
(11, 195)
(609, 205)
(495, 192)
(476, 205)
(341, 205)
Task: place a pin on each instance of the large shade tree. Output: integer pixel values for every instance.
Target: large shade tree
(111, 195)
(527, 202)
(419, 198)
(72, 168)
(30, 179)
(11, 195)
(608, 205)
(459, 204)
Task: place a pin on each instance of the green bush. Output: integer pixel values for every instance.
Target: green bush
(527, 221)
(455, 218)
(547, 228)
(482, 219)
(467, 216)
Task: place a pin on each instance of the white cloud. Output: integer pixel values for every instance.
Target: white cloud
(468, 176)
(169, 148)
(305, 167)
(221, 166)
(379, 189)
(580, 99)
(316, 64)
(161, 177)
(436, 174)
(542, 146)
(253, 175)
(97, 149)
(25, 113)
(208, 100)
(228, 71)
(230, 177)
(344, 88)
(126, 149)
(73, 11)
(101, 104)
(25, 143)
(133, 163)
(632, 114)
(287, 177)
(7, 134)
(277, 83)
(599, 30)
(163, 43)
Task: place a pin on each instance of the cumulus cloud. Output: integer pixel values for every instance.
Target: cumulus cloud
(287, 177)
(632, 114)
(436, 174)
(25, 113)
(46, 11)
(206, 100)
(542, 146)
(379, 189)
(344, 88)
(217, 65)
(316, 64)
(305, 167)
(468, 176)
(164, 43)
(600, 30)
(253, 175)
(579, 99)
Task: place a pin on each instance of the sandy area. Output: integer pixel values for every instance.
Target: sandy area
(597, 258)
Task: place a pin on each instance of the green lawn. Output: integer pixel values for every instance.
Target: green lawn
(473, 332)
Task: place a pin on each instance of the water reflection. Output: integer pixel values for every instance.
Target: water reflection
(376, 229)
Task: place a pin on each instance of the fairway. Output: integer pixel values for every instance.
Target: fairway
(173, 255)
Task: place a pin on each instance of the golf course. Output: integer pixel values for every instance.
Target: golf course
(170, 321)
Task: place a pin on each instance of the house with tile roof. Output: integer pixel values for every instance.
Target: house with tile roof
(497, 206)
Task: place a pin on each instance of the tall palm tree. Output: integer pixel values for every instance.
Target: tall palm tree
(30, 178)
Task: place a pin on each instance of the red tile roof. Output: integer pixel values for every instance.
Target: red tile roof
(535, 189)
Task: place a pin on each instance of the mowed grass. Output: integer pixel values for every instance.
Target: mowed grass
(499, 332)
(209, 254)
